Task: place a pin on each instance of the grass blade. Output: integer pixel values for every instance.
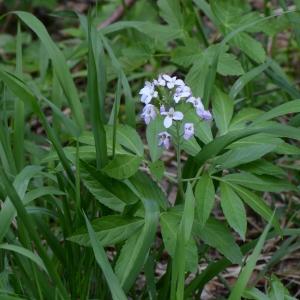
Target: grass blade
(102, 260)
(18, 136)
(59, 64)
(246, 272)
(25, 252)
(96, 102)
(29, 225)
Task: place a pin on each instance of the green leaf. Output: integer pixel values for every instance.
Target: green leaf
(169, 222)
(278, 290)
(249, 46)
(243, 117)
(257, 204)
(157, 32)
(171, 12)
(216, 234)
(111, 193)
(234, 210)
(130, 139)
(59, 64)
(245, 79)
(263, 167)
(255, 294)
(25, 252)
(96, 99)
(222, 110)
(152, 131)
(146, 188)
(183, 236)
(157, 169)
(243, 155)
(186, 55)
(115, 288)
(260, 183)
(122, 166)
(246, 272)
(109, 230)
(205, 198)
(8, 211)
(283, 109)
(198, 74)
(135, 251)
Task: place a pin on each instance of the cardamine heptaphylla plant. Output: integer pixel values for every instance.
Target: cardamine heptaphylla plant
(170, 97)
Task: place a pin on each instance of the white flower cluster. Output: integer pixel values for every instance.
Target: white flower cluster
(161, 96)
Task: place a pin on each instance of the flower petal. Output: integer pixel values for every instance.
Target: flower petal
(167, 77)
(167, 122)
(178, 115)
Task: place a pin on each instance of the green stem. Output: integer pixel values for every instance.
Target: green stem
(179, 171)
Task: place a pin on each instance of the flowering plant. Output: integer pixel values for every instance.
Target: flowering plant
(171, 97)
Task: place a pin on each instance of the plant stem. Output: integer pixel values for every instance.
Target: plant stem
(178, 152)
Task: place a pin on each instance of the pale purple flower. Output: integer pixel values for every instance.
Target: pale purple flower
(164, 140)
(148, 92)
(160, 81)
(201, 112)
(188, 131)
(149, 113)
(172, 81)
(197, 103)
(204, 114)
(162, 109)
(182, 91)
(170, 116)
